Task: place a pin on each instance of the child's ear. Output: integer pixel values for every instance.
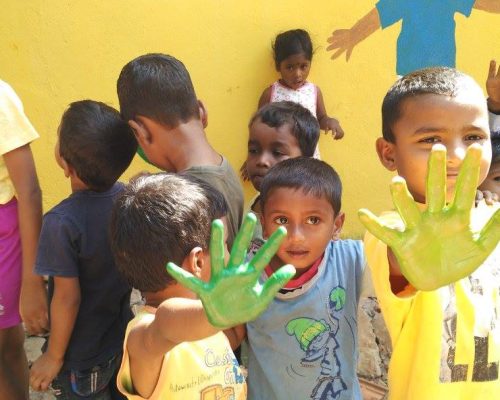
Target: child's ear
(203, 114)
(338, 223)
(195, 262)
(386, 153)
(68, 170)
(141, 132)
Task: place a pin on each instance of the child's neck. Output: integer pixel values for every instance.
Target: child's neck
(174, 290)
(191, 147)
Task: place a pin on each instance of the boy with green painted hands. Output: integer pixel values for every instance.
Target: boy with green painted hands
(440, 235)
(174, 348)
(435, 262)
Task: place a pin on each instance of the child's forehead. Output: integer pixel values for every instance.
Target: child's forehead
(260, 129)
(432, 108)
(284, 196)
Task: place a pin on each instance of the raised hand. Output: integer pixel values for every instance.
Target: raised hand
(437, 246)
(493, 87)
(234, 294)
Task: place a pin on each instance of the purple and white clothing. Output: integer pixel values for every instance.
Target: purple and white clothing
(306, 95)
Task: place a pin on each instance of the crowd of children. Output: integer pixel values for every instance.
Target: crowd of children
(298, 321)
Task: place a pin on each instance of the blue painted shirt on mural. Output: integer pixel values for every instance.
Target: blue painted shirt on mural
(427, 37)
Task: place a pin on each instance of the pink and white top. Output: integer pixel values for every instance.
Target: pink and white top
(306, 95)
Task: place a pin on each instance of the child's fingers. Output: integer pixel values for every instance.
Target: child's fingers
(435, 195)
(276, 281)
(490, 234)
(404, 203)
(375, 226)
(493, 69)
(185, 278)
(268, 250)
(217, 248)
(242, 240)
(465, 189)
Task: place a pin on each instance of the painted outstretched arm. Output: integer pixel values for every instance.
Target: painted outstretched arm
(234, 294)
(344, 40)
(437, 246)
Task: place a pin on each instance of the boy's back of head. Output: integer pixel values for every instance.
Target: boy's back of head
(96, 143)
(303, 125)
(157, 86)
(161, 218)
(442, 81)
(310, 175)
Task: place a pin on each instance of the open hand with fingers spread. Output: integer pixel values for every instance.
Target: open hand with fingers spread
(438, 246)
(234, 294)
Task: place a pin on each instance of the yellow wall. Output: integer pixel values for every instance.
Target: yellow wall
(54, 52)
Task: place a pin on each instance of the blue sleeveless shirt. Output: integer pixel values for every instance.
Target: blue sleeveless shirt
(304, 346)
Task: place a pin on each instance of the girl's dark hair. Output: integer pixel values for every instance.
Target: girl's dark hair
(289, 43)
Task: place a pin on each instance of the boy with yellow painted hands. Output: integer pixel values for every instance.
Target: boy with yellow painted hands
(443, 324)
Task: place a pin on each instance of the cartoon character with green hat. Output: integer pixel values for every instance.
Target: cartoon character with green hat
(317, 339)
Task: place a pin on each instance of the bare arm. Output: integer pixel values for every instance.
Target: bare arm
(22, 172)
(492, 6)
(265, 98)
(328, 124)
(63, 309)
(344, 40)
(176, 320)
(236, 335)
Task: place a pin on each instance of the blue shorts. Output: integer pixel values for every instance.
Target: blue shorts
(96, 383)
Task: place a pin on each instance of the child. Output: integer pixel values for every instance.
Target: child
(305, 344)
(492, 181)
(445, 340)
(158, 100)
(171, 350)
(292, 57)
(277, 131)
(89, 301)
(20, 220)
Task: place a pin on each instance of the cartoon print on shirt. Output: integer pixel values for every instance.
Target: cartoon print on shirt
(484, 283)
(317, 338)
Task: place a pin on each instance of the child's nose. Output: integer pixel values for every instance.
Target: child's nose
(264, 160)
(295, 232)
(455, 155)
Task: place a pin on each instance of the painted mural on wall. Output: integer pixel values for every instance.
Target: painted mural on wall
(427, 36)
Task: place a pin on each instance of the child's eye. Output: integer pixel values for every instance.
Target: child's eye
(474, 138)
(252, 150)
(281, 220)
(497, 178)
(313, 220)
(278, 153)
(430, 140)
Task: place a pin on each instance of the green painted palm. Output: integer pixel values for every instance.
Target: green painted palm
(234, 294)
(438, 246)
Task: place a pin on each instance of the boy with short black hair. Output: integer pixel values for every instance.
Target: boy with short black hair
(89, 300)
(305, 344)
(158, 100)
(174, 348)
(444, 325)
